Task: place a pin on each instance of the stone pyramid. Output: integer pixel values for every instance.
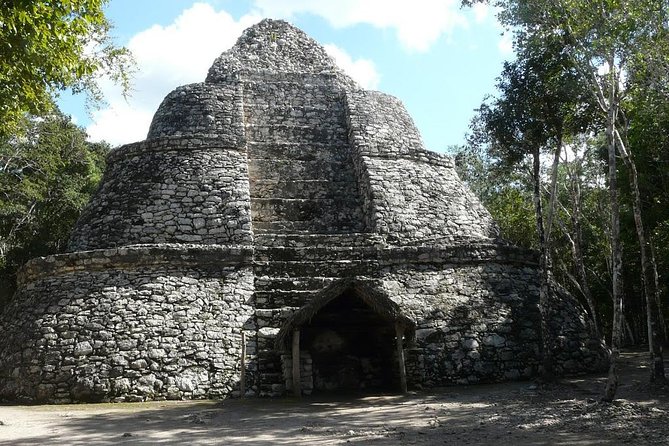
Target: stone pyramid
(280, 229)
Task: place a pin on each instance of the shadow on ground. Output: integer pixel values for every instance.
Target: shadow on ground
(523, 413)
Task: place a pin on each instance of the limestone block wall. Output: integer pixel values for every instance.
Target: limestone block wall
(380, 125)
(202, 110)
(574, 346)
(273, 46)
(128, 330)
(423, 200)
(473, 322)
(407, 191)
(168, 190)
(475, 307)
(479, 321)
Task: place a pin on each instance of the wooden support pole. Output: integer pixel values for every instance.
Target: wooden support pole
(242, 373)
(297, 390)
(399, 333)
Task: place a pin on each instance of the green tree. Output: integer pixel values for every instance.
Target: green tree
(46, 177)
(532, 115)
(505, 193)
(582, 173)
(50, 45)
(646, 121)
(603, 39)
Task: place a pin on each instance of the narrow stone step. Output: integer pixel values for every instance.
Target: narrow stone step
(270, 111)
(309, 226)
(269, 318)
(295, 150)
(315, 253)
(278, 169)
(299, 93)
(326, 211)
(343, 268)
(316, 105)
(299, 240)
(280, 298)
(302, 188)
(266, 283)
(336, 135)
(274, 119)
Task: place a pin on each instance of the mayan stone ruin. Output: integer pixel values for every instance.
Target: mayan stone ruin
(280, 231)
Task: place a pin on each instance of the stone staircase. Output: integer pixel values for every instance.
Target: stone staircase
(305, 203)
(290, 269)
(300, 172)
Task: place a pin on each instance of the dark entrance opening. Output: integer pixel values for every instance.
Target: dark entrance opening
(352, 347)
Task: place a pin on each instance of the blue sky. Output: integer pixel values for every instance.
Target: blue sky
(438, 59)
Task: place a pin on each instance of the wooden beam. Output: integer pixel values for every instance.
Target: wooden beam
(242, 375)
(297, 390)
(399, 335)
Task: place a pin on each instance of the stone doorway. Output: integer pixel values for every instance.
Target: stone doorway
(352, 347)
(349, 338)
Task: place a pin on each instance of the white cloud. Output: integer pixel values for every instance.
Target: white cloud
(167, 56)
(481, 12)
(120, 123)
(505, 44)
(362, 71)
(418, 23)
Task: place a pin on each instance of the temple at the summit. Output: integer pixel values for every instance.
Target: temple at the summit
(280, 230)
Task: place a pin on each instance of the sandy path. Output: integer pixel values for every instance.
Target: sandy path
(508, 414)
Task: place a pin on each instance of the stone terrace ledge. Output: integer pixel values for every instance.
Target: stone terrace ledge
(437, 252)
(133, 257)
(166, 143)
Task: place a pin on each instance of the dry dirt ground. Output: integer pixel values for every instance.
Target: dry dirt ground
(521, 413)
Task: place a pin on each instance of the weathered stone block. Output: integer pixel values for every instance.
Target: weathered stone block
(83, 348)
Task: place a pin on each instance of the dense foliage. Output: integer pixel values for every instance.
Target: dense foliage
(49, 45)
(46, 177)
(47, 169)
(589, 88)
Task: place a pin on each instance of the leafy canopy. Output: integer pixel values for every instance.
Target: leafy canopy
(49, 45)
(46, 178)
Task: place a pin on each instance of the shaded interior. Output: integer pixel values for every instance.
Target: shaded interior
(352, 347)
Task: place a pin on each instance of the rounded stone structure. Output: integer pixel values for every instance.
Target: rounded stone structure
(283, 225)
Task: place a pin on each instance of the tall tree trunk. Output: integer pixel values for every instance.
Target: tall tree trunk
(616, 249)
(553, 196)
(658, 294)
(652, 316)
(544, 286)
(581, 283)
(630, 332)
(577, 245)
